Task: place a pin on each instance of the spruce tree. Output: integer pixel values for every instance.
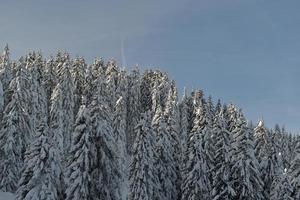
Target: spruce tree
(164, 164)
(93, 72)
(283, 190)
(133, 107)
(195, 181)
(267, 157)
(141, 177)
(5, 68)
(79, 172)
(172, 118)
(294, 171)
(111, 74)
(261, 138)
(40, 179)
(12, 146)
(62, 108)
(38, 96)
(107, 173)
(245, 169)
(77, 71)
(1, 98)
(119, 126)
(222, 185)
(15, 135)
(184, 120)
(57, 117)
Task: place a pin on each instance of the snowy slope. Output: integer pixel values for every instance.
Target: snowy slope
(6, 196)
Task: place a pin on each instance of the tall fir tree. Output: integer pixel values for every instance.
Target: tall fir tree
(1, 98)
(107, 173)
(184, 120)
(119, 126)
(283, 190)
(77, 71)
(12, 145)
(5, 68)
(262, 140)
(165, 168)
(294, 171)
(81, 163)
(62, 108)
(222, 185)
(141, 177)
(133, 107)
(267, 156)
(172, 118)
(38, 98)
(16, 133)
(245, 169)
(195, 180)
(40, 179)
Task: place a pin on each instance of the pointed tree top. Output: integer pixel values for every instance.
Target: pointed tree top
(6, 51)
(184, 92)
(260, 123)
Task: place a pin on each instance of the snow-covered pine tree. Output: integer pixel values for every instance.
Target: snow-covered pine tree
(107, 172)
(210, 108)
(49, 81)
(40, 179)
(62, 108)
(222, 185)
(81, 162)
(274, 167)
(184, 120)
(208, 136)
(15, 135)
(133, 106)
(266, 156)
(231, 115)
(245, 169)
(141, 177)
(78, 70)
(38, 98)
(261, 140)
(119, 126)
(218, 107)
(195, 181)
(57, 119)
(92, 73)
(1, 98)
(283, 190)
(122, 86)
(289, 149)
(173, 128)
(294, 171)
(206, 120)
(5, 68)
(148, 82)
(11, 146)
(111, 74)
(286, 151)
(277, 138)
(164, 163)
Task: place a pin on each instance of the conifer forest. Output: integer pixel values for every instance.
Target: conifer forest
(72, 130)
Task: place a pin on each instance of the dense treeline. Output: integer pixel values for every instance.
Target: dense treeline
(72, 130)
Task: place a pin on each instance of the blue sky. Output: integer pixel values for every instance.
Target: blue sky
(242, 51)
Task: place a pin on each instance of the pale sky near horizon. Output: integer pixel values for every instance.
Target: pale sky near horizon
(242, 51)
